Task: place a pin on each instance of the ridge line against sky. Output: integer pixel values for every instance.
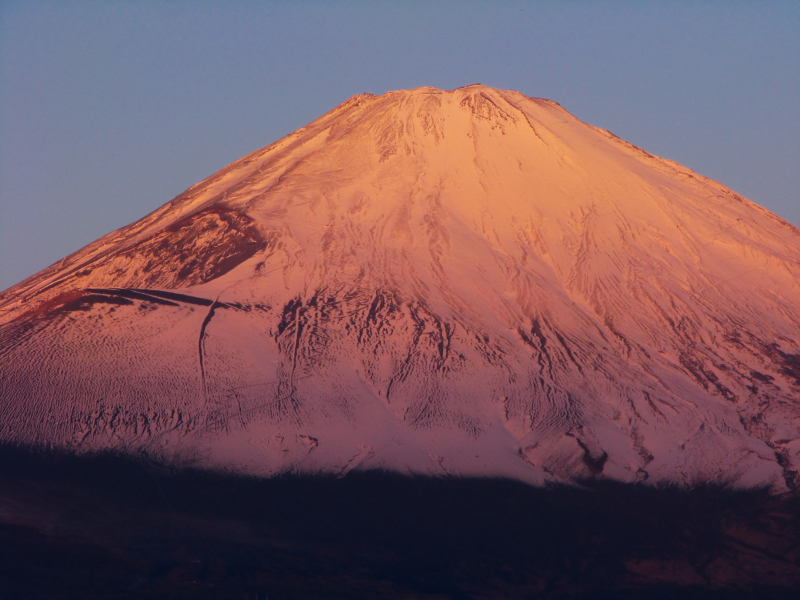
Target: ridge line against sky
(108, 110)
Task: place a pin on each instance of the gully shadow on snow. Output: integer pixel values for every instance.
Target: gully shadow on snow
(106, 526)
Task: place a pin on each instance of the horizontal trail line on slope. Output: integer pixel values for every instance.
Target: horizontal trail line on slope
(133, 295)
(179, 297)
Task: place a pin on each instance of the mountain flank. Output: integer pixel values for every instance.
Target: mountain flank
(465, 282)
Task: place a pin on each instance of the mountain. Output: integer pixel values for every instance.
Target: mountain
(466, 282)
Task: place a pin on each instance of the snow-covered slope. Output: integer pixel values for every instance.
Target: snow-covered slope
(467, 282)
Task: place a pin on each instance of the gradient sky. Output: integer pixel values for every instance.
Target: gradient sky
(110, 109)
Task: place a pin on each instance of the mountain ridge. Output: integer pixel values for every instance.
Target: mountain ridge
(462, 282)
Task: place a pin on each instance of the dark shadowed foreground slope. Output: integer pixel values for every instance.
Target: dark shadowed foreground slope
(111, 527)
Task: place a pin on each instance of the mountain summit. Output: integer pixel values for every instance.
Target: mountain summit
(466, 282)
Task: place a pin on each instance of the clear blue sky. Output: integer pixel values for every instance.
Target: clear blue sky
(109, 109)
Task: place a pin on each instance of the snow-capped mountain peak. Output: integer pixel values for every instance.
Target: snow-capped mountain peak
(465, 282)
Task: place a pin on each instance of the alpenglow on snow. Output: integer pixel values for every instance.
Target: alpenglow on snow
(466, 282)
